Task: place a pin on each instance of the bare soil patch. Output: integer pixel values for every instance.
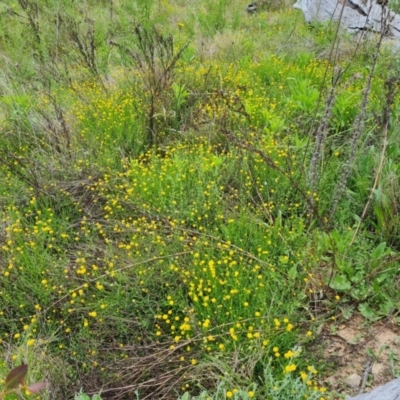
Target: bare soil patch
(356, 345)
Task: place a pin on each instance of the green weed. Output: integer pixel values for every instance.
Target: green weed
(168, 215)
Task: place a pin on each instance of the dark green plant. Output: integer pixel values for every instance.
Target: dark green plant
(155, 58)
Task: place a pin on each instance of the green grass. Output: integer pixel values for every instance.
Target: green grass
(158, 231)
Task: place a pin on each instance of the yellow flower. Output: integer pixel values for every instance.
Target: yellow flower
(229, 394)
(250, 393)
(312, 369)
(185, 327)
(289, 327)
(290, 368)
(288, 354)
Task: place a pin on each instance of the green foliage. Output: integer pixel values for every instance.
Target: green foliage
(83, 396)
(344, 111)
(155, 215)
(288, 387)
(212, 16)
(304, 96)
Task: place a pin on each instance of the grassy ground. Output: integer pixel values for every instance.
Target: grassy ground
(188, 193)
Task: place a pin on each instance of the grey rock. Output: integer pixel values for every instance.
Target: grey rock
(353, 381)
(377, 369)
(390, 391)
(355, 15)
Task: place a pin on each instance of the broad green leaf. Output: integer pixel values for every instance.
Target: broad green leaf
(386, 307)
(293, 272)
(361, 292)
(358, 277)
(340, 282)
(15, 377)
(377, 288)
(379, 251)
(368, 312)
(81, 396)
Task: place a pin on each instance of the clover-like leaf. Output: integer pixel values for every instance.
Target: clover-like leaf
(15, 377)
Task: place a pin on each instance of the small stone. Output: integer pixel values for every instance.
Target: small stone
(377, 369)
(331, 381)
(354, 381)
